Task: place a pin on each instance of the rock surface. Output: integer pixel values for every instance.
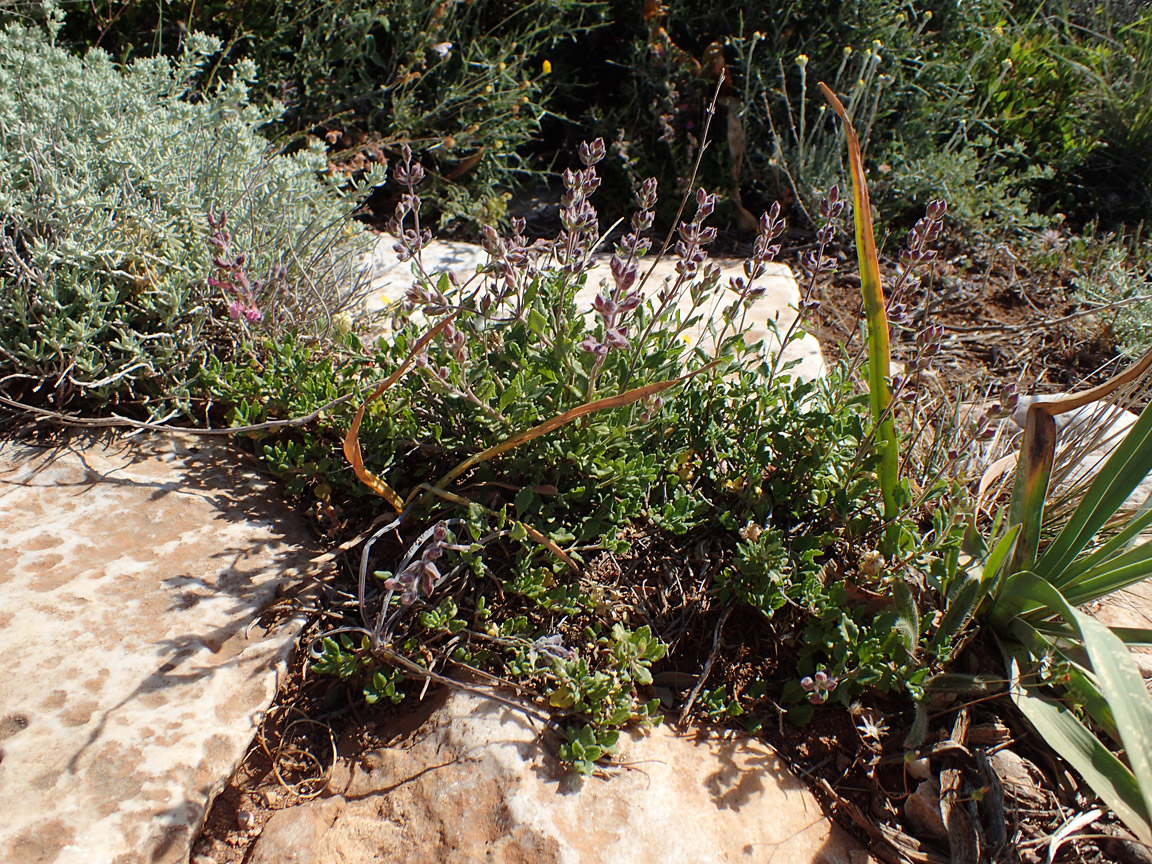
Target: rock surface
(475, 783)
(922, 810)
(129, 576)
(391, 278)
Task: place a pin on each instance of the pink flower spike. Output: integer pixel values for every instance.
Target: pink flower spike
(234, 309)
(253, 314)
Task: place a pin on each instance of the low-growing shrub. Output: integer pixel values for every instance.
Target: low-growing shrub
(528, 446)
(136, 215)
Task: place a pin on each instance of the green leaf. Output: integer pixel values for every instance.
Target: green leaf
(1119, 682)
(536, 321)
(908, 616)
(1122, 473)
(919, 729)
(1121, 543)
(879, 350)
(1120, 572)
(1134, 636)
(1107, 775)
(1030, 488)
(958, 611)
(992, 564)
(1079, 682)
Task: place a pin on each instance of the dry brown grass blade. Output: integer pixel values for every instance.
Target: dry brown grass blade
(992, 479)
(618, 401)
(1056, 406)
(352, 439)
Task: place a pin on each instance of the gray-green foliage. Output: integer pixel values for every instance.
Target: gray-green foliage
(1122, 277)
(107, 176)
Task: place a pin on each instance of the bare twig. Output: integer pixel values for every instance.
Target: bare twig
(707, 666)
(116, 421)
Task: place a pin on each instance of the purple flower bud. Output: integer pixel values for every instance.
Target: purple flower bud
(591, 153)
(623, 272)
(646, 197)
(615, 338)
(630, 301)
(592, 346)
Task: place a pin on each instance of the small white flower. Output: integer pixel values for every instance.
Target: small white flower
(872, 563)
(751, 532)
(443, 49)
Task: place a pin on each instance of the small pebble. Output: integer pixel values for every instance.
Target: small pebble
(245, 819)
(1143, 663)
(922, 810)
(919, 768)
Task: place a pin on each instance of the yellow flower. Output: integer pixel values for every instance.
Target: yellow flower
(546, 67)
(802, 60)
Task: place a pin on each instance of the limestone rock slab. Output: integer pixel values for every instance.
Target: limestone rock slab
(475, 782)
(130, 574)
(390, 278)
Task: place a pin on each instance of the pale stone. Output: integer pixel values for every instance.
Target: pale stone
(130, 574)
(920, 769)
(475, 783)
(771, 314)
(292, 836)
(922, 810)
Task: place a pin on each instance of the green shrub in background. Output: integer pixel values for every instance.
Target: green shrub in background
(108, 177)
(1014, 109)
(463, 84)
(1003, 108)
